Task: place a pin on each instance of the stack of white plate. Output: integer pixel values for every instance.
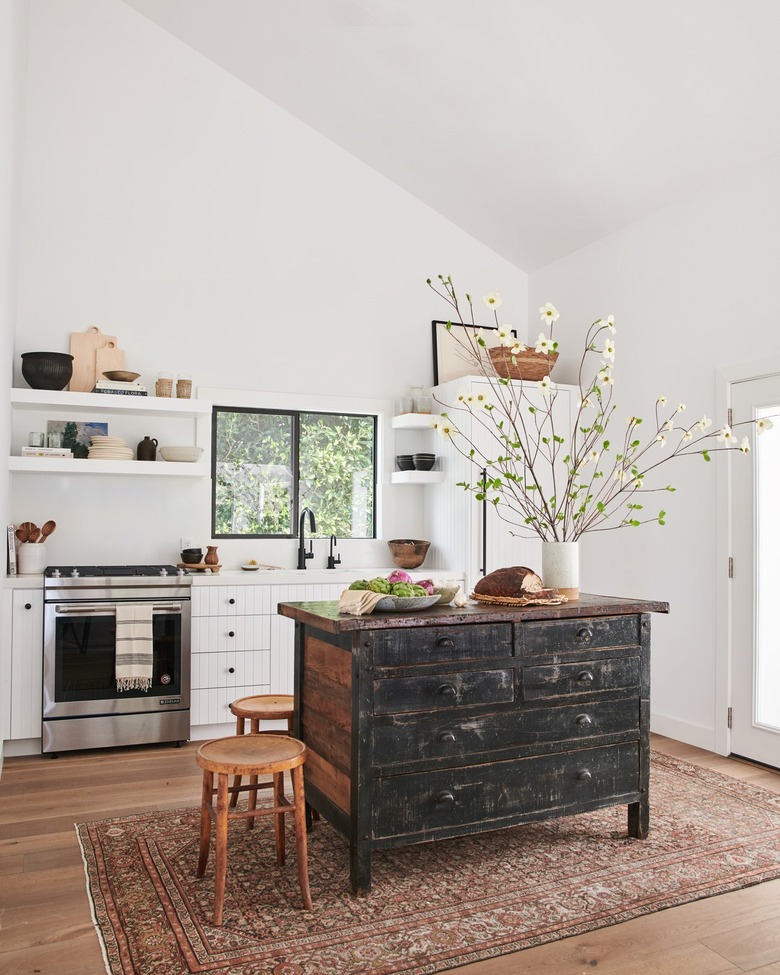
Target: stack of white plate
(109, 448)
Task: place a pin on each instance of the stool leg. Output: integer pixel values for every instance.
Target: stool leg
(237, 778)
(278, 794)
(220, 870)
(205, 821)
(301, 851)
(254, 728)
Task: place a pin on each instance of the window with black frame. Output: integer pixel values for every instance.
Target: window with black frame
(268, 465)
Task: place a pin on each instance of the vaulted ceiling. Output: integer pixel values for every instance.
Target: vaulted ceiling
(537, 126)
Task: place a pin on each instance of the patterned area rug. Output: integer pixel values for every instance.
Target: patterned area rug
(432, 907)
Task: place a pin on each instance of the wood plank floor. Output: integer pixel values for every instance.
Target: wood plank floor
(46, 928)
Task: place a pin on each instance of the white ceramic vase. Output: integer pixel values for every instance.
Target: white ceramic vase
(561, 567)
(31, 558)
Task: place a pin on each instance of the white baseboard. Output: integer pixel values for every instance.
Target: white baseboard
(686, 731)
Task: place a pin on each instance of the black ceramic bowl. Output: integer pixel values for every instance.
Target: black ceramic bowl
(424, 462)
(192, 556)
(47, 370)
(405, 462)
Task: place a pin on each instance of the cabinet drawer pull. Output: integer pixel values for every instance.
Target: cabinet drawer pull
(583, 720)
(231, 633)
(585, 677)
(585, 635)
(445, 798)
(28, 605)
(231, 670)
(584, 775)
(446, 736)
(447, 690)
(231, 601)
(445, 641)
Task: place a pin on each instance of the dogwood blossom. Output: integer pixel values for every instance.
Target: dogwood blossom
(554, 479)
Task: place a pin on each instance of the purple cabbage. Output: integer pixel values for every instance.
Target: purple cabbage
(398, 575)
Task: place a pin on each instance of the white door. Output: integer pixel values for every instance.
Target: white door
(755, 636)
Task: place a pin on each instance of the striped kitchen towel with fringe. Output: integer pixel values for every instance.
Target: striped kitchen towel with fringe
(134, 648)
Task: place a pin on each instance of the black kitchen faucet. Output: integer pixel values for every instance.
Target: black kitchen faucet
(302, 553)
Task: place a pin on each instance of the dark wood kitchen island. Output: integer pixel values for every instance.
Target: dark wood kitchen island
(433, 724)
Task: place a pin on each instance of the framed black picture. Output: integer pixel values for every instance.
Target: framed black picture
(450, 361)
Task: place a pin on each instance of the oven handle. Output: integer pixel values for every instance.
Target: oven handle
(83, 609)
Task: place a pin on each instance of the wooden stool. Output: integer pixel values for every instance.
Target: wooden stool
(251, 755)
(254, 709)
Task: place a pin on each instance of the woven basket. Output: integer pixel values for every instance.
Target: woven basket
(527, 364)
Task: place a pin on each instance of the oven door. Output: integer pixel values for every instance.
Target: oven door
(79, 659)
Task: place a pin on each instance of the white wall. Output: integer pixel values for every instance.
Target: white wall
(216, 235)
(693, 289)
(13, 51)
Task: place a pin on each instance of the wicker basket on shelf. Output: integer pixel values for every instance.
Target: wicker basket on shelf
(527, 364)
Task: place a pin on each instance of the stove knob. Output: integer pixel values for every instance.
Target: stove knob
(163, 572)
(74, 573)
(180, 572)
(56, 574)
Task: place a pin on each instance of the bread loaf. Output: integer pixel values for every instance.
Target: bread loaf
(515, 580)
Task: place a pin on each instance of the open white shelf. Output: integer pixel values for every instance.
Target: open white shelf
(413, 421)
(67, 465)
(194, 413)
(47, 399)
(417, 477)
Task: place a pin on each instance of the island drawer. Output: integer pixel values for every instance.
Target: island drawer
(582, 677)
(424, 802)
(443, 690)
(550, 637)
(430, 644)
(449, 738)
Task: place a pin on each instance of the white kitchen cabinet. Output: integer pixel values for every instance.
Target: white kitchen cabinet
(240, 646)
(465, 531)
(26, 663)
(184, 421)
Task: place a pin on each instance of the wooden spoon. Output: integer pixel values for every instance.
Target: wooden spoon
(34, 534)
(23, 533)
(46, 529)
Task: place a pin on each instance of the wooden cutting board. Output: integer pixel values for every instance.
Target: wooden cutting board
(108, 358)
(83, 348)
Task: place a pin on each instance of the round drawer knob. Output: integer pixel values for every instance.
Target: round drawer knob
(28, 605)
(585, 635)
(584, 775)
(231, 670)
(231, 601)
(445, 798)
(445, 641)
(448, 691)
(583, 720)
(231, 633)
(585, 677)
(446, 736)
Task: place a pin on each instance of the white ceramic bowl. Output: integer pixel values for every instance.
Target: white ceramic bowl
(187, 455)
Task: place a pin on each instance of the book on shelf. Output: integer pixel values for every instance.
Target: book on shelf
(120, 392)
(46, 452)
(110, 386)
(11, 550)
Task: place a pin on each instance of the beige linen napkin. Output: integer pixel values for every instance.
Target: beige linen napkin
(359, 602)
(134, 647)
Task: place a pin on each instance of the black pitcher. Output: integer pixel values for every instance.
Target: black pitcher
(147, 449)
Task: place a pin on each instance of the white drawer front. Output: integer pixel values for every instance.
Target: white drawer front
(212, 705)
(212, 634)
(231, 600)
(247, 668)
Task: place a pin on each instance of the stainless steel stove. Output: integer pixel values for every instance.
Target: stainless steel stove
(82, 705)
